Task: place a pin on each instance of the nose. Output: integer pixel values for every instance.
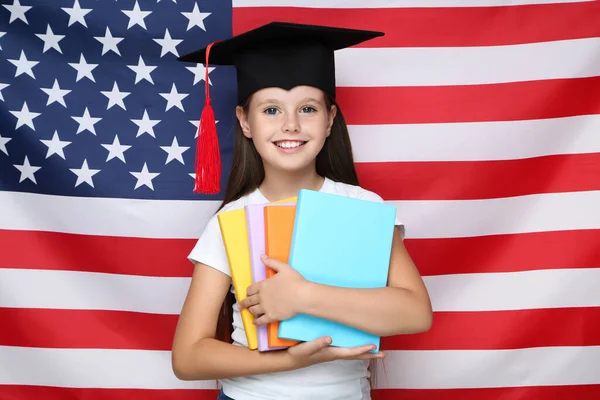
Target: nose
(291, 123)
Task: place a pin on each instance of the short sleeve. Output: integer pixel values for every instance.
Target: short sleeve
(209, 248)
(372, 196)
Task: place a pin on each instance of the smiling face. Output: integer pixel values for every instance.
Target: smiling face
(288, 128)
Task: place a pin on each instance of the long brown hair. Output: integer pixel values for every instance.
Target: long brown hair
(335, 161)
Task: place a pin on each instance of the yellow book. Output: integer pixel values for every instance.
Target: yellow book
(235, 238)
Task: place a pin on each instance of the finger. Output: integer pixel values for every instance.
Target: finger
(274, 263)
(256, 310)
(352, 352)
(253, 289)
(310, 347)
(262, 320)
(249, 302)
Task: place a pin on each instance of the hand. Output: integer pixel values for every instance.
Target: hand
(276, 298)
(316, 351)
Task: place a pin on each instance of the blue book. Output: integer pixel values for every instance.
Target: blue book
(339, 241)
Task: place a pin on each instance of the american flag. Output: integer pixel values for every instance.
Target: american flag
(479, 120)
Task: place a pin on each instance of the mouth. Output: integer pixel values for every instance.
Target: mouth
(289, 144)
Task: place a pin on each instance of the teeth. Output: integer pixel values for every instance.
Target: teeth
(289, 145)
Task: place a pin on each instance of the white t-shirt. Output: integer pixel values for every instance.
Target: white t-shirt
(340, 379)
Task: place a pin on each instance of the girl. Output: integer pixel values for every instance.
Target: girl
(290, 135)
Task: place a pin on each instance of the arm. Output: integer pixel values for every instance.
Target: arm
(196, 355)
(403, 307)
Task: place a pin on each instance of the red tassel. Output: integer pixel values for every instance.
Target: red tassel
(208, 155)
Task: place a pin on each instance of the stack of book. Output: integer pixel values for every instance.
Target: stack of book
(329, 239)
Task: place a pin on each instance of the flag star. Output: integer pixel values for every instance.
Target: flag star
(25, 117)
(144, 177)
(168, 44)
(174, 98)
(24, 66)
(84, 174)
(196, 18)
(109, 42)
(142, 71)
(27, 171)
(115, 97)
(146, 125)
(196, 123)
(84, 70)
(116, 150)
(3, 141)
(76, 14)
(50, 40)
(200, 73)
(17, 11)
(55, 93)
(2, 86)
(2, 34)
(136, 16)
(55, 146)
(86, 122)
(175, 151)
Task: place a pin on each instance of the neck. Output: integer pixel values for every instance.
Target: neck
(279, 185)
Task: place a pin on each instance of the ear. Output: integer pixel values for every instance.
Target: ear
(243, 118)
(331, 117)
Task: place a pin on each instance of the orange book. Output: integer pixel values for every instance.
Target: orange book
(279, 226)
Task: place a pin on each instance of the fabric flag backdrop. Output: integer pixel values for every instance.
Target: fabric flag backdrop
(479, 120)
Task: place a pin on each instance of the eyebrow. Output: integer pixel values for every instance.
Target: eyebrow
(306, 99)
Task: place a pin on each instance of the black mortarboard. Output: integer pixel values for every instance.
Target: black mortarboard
(278, 54)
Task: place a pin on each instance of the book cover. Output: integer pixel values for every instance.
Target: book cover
(339, 241)
(279, 225)
(255, 221)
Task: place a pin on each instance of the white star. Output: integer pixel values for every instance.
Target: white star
(3, 141)
(50, 40)
(142, 71)
(17, 11)
(84, 70)
(77, 14)
(55, 93)
(196, 18)
(144, 177)
(24, 66)
(146, 125)
(174, 98)
(2, 34)
(86, 122)
(2, 86)
(55, 146)
(200, 73)
(27, 171)
(116, 149)
(109, 42)
(84, 174)
(196, 123)
(168, 44)
(25, 117)
(136, 16)
(174, 151)
(115, 97)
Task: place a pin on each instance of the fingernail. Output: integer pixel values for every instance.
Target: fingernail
(263, 256)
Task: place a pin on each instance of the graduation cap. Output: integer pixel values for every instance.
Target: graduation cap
(278, 54)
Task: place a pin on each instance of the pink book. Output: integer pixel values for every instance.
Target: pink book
(255, 222)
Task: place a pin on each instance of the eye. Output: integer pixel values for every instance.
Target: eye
(270, 110)
(308, 109)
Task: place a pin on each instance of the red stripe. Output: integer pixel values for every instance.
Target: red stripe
(23, 392)
(574, 392)
(501, 330)
(469, 103)
(57, 328)
(450, 330)
(451, 26)
(113, 255)
(507, 253)
(465, 180)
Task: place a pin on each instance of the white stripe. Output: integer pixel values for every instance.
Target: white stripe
(449, 369)
(515, 290)
(392, 3)
(92, 368)
(476, 141)
(463, 292)
(423, 218)
(142, 369)
(533, 213)
(433, 66)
